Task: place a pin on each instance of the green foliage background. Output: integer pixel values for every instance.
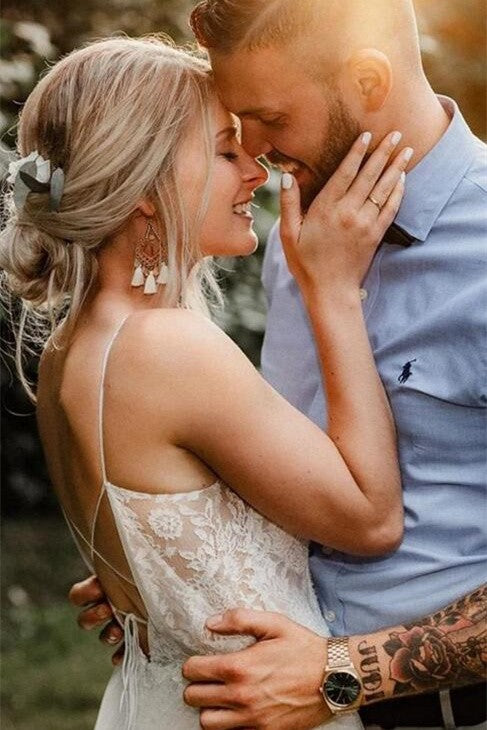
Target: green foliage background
(53, 674)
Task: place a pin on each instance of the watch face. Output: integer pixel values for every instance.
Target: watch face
(342, 688)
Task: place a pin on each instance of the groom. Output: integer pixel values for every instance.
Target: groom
(305, 77)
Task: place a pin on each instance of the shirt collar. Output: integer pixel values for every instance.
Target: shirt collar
(431, 183)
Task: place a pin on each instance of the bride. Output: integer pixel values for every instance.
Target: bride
(189, 484)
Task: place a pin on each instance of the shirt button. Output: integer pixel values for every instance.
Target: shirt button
(363, 294)
(330, 616)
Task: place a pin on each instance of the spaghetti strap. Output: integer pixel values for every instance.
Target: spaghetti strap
(101, 398)
(101, 445)
(75, 530)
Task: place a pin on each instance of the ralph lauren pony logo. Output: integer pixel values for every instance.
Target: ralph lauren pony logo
(407, 371)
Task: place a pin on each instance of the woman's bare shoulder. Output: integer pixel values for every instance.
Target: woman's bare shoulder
(176, 340)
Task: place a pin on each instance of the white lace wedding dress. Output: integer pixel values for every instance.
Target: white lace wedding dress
(192, 555)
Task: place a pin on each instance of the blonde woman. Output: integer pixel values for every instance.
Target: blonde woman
(189, 484)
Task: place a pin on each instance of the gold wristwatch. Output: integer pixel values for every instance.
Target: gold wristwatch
(342, 687)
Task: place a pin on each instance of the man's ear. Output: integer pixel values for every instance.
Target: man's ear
(370, 73)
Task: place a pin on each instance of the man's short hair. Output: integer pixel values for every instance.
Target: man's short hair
(229, 25)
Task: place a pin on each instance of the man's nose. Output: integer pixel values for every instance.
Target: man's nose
(253, 142)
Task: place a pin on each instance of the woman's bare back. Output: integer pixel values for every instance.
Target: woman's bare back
(138, 451)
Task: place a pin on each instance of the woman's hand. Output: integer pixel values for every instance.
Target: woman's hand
(333, 245)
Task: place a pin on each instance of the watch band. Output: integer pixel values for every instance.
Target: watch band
(341, 679)
(338, 654)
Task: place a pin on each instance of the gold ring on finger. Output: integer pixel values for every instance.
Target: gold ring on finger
(375, 202)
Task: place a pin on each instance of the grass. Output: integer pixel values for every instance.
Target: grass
(52, 673)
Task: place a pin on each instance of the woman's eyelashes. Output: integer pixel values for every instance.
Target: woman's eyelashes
(229, 155)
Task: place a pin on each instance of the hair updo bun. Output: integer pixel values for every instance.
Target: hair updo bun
(39, 268)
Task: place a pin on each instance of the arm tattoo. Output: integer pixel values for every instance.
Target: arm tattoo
(445, 649)
(448, 648)
(370, 672)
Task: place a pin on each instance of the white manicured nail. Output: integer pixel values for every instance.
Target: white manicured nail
(396, 138)
(366, 137)
(214, 621)
(287, 181)
(407, 154)
(403, 177)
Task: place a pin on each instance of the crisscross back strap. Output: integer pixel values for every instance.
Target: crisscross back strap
(75, 531)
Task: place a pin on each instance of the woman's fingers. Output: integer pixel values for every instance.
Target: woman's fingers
(291, 217)
(348, 169)
(368, 176)
(387, 183)
(391, 207)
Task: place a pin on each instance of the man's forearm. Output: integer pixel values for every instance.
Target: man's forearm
(443, 650)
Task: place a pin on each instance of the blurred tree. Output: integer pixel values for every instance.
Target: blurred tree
(34, 32)
(453, 41)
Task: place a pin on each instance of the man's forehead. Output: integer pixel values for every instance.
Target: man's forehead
(244, 102)
(253, 82)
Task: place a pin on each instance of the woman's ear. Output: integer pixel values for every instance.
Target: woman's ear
(146, 207)
(370, 73)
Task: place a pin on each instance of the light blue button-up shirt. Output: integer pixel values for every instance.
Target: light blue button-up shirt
(426, 313)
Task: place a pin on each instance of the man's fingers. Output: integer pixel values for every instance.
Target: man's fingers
(203, 694)
(373, 169)
(261, 624)
(211, 668)
(291, 218)
(94, 616)
(220, 720)
(86, 592)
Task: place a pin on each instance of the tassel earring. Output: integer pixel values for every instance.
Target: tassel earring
(149, 262)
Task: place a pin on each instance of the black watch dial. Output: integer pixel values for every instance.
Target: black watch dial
(342, 688)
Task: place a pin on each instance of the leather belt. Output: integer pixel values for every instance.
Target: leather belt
(469, 706)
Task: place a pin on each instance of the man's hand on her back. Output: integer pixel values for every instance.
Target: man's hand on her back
(96, 613)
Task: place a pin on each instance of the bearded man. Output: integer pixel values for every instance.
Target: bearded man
(305, 78)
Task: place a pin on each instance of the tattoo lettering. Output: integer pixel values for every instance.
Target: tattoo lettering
(370, 673)
(446, 649)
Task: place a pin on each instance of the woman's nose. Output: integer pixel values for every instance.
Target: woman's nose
(255, 173)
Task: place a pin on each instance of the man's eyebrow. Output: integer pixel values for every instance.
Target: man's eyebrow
(255, 112)
(227, 132)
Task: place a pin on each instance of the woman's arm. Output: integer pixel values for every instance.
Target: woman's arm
(343, 491)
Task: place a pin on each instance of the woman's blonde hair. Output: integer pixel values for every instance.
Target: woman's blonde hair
(114, 116)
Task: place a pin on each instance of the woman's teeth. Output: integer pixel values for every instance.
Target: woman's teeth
(242, 208)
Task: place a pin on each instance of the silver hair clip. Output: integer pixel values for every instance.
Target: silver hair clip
(33, 174)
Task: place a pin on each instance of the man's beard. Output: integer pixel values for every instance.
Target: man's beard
(342, 131)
